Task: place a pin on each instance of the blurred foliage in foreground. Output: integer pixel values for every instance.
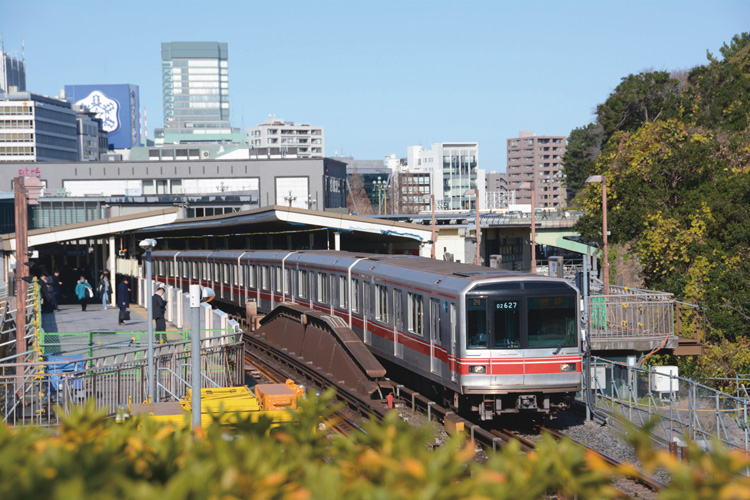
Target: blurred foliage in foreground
(92, 457)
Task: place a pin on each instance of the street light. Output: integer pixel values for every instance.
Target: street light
(530, 185)
(290, 198)
(381, 186)
(475, 192)
(431, 197)
(605, 260)
(148, 245)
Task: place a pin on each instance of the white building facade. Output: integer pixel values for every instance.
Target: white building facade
(454, 173)
(279, 137)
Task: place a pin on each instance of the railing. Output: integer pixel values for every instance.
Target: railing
(32, 326)
(686, 408)
(630, 315)
(50, 389)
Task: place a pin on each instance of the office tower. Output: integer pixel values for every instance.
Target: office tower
(195, 80)
(537, 159)
(116, 105)
(36, 128)
(454, 173)
(12, 73)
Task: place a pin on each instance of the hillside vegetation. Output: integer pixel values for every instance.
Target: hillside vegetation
(675, 150)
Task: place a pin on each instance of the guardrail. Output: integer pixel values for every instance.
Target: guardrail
(49, 389)
(686, 408)
(630, 315)
(32, 326)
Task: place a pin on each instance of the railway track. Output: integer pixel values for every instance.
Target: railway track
(266, 360)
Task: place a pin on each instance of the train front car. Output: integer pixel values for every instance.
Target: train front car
(522, 347)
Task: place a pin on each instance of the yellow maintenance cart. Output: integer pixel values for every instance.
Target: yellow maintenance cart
(268, 400)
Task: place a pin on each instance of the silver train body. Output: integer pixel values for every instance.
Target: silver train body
(485, 340)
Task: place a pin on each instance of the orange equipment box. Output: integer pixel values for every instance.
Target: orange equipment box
(278, 396)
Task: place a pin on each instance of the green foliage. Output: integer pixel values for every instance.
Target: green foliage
(677, 164)
(95, 458)
(583, 147)
(637, 100)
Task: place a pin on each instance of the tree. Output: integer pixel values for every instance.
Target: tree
(639, 99)
(584, 146)
(357, 200)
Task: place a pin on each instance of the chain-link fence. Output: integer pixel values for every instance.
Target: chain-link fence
(686, 409)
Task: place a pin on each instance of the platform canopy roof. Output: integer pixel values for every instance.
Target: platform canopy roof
(93, 229)
(280, 218)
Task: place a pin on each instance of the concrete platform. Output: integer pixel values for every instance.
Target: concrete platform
(70, 319)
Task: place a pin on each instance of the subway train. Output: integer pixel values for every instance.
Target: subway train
(485, 340)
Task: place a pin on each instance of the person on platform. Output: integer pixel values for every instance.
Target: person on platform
(104, 289)
(123, 299)
(54, 284)
(84, 292)
(159, 308)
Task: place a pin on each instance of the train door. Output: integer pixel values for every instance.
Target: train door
(398, 324)
(452, 346)
(435, 336)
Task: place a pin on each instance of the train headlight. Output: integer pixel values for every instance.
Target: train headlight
(567, 367)
(477, 369)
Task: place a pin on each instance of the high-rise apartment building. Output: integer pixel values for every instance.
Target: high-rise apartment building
(12, 73)
(195, 80)
(275, 136)
(34, 128)
(537, 159)
(454, 173)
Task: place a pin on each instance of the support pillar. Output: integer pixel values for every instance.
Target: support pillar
(337, 241)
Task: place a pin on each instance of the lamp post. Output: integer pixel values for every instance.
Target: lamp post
(381, 186)
(605, 260)
(530, 185)
(290, 198)
(431, 197)
(148, 245)
(475, 193)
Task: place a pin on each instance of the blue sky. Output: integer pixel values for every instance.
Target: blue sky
(380, 76)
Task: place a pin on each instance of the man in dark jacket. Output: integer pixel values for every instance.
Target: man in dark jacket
(123, 299)
(159, 308)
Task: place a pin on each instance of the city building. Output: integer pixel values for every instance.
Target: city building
(12, 73)
(34, 128)
(116, 106)
(497, 192)
(82, 191)
(93, 140)
(195, 79)
(275, 136)
(454, 173)
(537, 159)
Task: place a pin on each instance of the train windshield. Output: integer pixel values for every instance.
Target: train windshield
(552, 322)
(539, 315)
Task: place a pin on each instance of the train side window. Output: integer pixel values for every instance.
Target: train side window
(205, 271)
(194, 268)
(217, 271)
(476, 324)
(226, 274)
(241, 277)
(302, 282)
(287, 280)
(265, 278)
(322, 288)
(277, 284)
(381, 303)
(416, 313)
(251, 281)
(356, 297)
(342, 291)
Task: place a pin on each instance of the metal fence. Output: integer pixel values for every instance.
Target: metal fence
(48, 390)
(32, 326)
(686, 408)
(636, 314)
